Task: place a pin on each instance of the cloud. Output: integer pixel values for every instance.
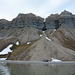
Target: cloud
(71, 7)
(51, 6)
(11, 8)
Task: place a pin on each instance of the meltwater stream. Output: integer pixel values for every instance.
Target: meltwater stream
(36, 69)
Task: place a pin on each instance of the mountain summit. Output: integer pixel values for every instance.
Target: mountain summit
(38, 38)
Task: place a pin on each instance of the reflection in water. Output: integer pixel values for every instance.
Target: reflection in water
(4, 70)
(36, 69)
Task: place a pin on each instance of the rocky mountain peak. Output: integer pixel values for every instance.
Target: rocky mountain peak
(3, 23)
(65, 19)
(29, 19)
(65, 13)
(31, 15)
(3, 20)
(20, 15)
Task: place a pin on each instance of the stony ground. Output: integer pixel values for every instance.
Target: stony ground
(45, 49)
(43, 45)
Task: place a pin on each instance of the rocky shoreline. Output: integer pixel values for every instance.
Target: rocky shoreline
(37, 62)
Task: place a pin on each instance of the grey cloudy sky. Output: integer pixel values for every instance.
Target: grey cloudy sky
(9, 9)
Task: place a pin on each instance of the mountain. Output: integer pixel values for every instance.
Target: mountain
(56, 41)
(24, 20)
(3, 23)
(65, 19)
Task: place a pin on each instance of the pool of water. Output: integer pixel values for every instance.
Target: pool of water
(36, 69)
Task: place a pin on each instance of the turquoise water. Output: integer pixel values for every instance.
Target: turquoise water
(36, 69)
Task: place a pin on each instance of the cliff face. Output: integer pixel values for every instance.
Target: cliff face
(65, 19)
(52, 21)
(3, 23)
(24, 20)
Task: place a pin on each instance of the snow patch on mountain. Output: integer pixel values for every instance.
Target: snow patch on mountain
(48, 39)
(6, 50)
